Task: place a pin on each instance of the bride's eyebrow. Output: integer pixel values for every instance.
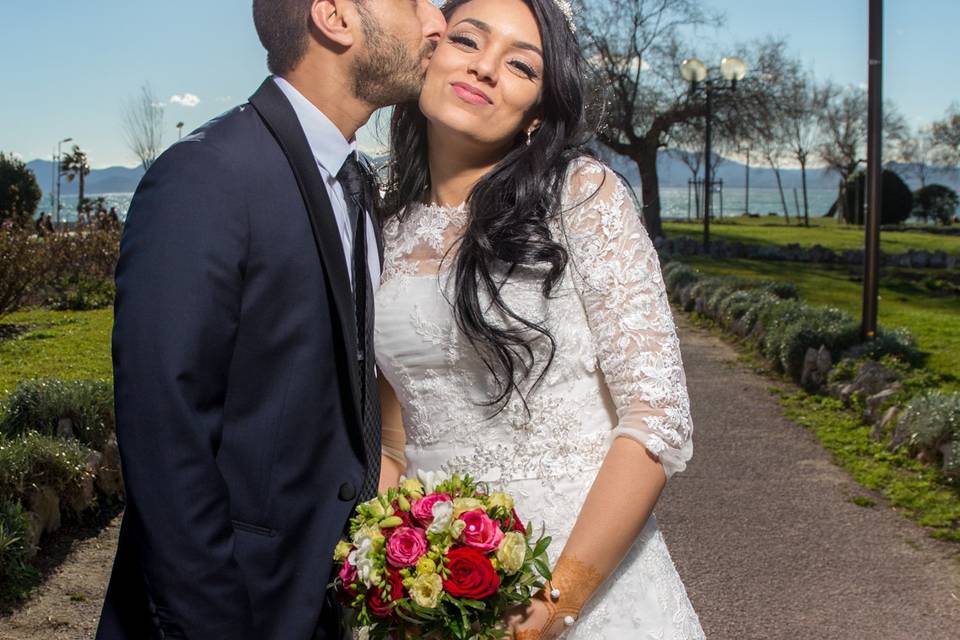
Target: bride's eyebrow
(483, 26)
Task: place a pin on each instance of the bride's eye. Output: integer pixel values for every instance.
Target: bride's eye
(463, 41)
(525, 69)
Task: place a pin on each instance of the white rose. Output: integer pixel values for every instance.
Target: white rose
(430, 479)
(442, 517)
(362, 560)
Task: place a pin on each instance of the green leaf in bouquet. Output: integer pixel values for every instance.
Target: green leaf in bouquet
(474, 604)
(542, 545)
(543, 568)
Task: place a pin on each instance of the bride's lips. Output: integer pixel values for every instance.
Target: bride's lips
(470, 94)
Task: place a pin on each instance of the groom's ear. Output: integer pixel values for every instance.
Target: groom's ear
(335, 22)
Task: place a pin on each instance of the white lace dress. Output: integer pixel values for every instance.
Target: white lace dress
(617, 373)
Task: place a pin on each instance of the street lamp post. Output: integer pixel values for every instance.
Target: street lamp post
(694, 71)
(871, 280)
(56, 168)
(179, 130)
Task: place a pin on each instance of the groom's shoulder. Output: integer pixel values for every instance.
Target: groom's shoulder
(235, 140)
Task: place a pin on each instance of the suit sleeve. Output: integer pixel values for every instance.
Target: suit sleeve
(179, 286)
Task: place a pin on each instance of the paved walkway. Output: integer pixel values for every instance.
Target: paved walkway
(760, 527)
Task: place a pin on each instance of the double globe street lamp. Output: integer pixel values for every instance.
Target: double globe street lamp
(693, 70)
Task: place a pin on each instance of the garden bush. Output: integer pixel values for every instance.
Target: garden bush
(931, 421)
(44, 405)
(15, 574)
(21, 265)
(80, 268)
(34, 460)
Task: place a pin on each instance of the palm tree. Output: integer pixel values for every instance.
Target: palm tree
(75, 165)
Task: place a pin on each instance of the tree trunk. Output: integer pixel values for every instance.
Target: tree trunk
(806, 202)
(646, 161)
(783, 199)
(82, 185)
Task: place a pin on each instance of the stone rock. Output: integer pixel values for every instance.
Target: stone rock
(872, 413)
(81, 499)
(109, 476)
(885, 424)
(34, 532)
(951, 464)
(938, 260)
(45, 503)
(871, 379)
(816, 368)
(65, 429)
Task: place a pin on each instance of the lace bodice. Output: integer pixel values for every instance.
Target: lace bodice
(617, 371)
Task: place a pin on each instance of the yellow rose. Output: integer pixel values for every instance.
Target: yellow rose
(426, 566)
(413, 486)
(512, 552)
(462, 505)
(342, 551)
(426, 590)
(501, 500)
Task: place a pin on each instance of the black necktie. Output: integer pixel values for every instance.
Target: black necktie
(356, 186)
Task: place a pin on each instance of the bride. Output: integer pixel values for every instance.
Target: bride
(522, 328)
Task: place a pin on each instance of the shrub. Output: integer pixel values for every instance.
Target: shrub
(898, 343)
(897, 199)
(15, 574)
(931, 421)
(80, 268)
(677, 275)
(40, 405)
(21, 265)
(936, 201)
(33, 460)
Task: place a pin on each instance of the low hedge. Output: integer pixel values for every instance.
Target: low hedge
(33, 460)
(15, 572)
(780, 325)
(50, 407)
(931, 426)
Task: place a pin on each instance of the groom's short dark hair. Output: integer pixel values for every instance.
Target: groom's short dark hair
(284, 30)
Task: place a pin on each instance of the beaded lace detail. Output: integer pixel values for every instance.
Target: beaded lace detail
(617, 372)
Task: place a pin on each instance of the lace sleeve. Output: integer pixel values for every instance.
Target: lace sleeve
(617, 274)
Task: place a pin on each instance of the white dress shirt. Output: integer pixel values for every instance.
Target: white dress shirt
(331, 149)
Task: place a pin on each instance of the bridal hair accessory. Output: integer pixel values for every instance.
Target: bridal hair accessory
(567, 10)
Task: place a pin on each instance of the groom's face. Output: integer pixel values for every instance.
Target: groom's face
(399, 37)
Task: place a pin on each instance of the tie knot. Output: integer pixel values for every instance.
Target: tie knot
(352, 177)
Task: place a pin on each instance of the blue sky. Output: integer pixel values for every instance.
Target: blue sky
(69, 67)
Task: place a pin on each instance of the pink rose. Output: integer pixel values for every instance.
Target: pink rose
(348, 573)
(406, 546)
(422, 509)
(482, 533)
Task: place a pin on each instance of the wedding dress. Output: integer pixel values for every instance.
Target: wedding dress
(616, 373)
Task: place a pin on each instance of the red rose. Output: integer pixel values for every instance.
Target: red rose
(471, 574)
(377, 599)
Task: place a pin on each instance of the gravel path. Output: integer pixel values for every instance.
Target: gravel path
(760, 527)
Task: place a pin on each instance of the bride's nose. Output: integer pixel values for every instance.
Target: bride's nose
(484, 66)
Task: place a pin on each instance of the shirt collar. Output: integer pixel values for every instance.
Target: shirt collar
(326, 142)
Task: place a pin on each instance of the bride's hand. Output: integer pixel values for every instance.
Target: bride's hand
(531, 623)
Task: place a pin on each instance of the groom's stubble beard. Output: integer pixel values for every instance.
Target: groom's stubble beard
(387, 72)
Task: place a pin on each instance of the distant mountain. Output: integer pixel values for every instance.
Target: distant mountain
(109, 180)
(673, 173)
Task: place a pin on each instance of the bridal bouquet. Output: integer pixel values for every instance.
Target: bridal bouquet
(438, 557)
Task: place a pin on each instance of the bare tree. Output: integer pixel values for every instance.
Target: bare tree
(775, 149)
(918, 155)
(946, 138)
(636, 48)
(802, 127)
(143, 126)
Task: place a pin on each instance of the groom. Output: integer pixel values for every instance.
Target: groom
(246, 408)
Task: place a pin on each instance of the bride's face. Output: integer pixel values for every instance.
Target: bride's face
(485, 79)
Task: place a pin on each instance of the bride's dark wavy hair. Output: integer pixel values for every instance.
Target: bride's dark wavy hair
(509, 208)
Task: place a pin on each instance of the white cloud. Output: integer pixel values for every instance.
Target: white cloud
(186, 100)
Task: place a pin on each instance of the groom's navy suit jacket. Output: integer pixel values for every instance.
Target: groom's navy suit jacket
(237, 395)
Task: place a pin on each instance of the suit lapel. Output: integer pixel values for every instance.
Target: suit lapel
(281, 120)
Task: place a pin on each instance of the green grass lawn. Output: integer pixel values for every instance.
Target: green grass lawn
(825, 232)
(61, 344)
(905, 300)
